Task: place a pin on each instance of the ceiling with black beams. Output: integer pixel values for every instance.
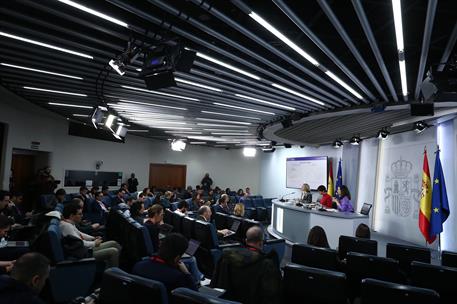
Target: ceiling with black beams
(257, 62)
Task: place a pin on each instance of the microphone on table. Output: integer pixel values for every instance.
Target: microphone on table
(282, 198)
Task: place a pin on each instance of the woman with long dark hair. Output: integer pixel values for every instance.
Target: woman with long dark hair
(344, 202)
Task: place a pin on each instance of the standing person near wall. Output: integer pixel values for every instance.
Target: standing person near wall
(206, 182)
(132, 183)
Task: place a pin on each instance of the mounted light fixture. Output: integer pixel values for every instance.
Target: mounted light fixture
(268, 149)
(383, 133)
(178, 145)
(355, 140)
(420, 126)
(249, 152)
(120, 63)
(337, 144)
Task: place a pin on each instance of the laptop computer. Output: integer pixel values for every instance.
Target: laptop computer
(191, 248)
(233, 229)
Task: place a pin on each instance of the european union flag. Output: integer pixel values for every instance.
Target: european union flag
(440, 204)
(339, 179)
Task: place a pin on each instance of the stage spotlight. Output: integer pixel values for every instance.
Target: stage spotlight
(249, 152)
(355, 140)
(161, 62)
(97, 116)
(420, 126)
(383, 133)
(178, 145)
(110, 120)
(127, 57)
(337, 144)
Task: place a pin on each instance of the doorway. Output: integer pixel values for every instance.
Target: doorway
(24, 167)
(167, 176)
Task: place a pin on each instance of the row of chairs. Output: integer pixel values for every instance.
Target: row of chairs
(121, 287)
(210, 249)
(82, 272)
(132, 236)
(313, 285)
(300, 284)
(328, 258)
(358, 266)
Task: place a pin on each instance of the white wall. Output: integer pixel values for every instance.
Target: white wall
(27, 122)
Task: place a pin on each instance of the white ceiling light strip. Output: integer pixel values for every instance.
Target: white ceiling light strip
(198, 142)
(265, 102)
(149, 104)
(184, 132)
(226, 121)
(232, 134)
(94, 12)
(54, 91)
(155, 122)
(300, 51)
(50, 46)
(231, 115)
(39, 71)
(343, 84)
(228, 66)
(396, 7)
(197, 85)
(218, 125)
(69, 105)
(297, 94)
(159, 93)
(81, 115)
(242, 108)
(222, 130)
(283, 38)
(139, 131)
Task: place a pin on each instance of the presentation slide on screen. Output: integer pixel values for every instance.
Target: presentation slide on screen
(310, 170)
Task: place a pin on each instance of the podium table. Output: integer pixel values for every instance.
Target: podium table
(293, 223)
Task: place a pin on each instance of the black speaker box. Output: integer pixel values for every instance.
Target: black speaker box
(160, 80)
(422, 109)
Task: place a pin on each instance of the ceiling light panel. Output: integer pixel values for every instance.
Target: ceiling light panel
(300, 51)
(94, 12)
(228, 66)
(218, 125)
(231, 115)
(39, 71)
(242, 108)
(50, 46)
(69, 105)
(160, 93)
(278, 86)
(266, 102)
(54, 91)
(226, 121)
(126, 101)
(197, 84)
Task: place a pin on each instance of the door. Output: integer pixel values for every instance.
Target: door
(22, 167)
(165, 176)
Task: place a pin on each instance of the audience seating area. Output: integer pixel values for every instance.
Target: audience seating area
(354, 273)
(404, 276)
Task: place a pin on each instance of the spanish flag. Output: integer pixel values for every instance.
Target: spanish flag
(426, 202)
(330, 190)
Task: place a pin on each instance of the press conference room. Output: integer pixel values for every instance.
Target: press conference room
(235, 151)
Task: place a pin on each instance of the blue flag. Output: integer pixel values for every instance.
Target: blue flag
(339, 179)
(440, 203)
